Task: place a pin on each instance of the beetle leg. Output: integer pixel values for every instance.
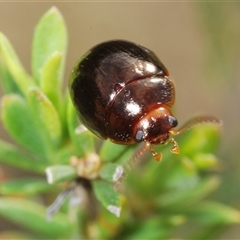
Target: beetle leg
(157, 156)
(175, 148)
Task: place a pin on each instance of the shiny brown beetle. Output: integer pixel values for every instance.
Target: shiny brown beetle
(123, 92)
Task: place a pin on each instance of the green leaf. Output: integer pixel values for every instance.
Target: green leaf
(12, 63)
(26, 186)
(46, 117)
(205, 160)
(20, 124)
(50, 83)
(59, 173)
(159, 227)
(32, 216)
(200, 139)
(75, 72)
(146, 231)
(107, 196)
(183, 198)
(111, 151)
(183, 175)
(64, 154)
(214, 213)
(110, 172)
(12, 156)
(7, 81)
(50, 37)
(83, 139)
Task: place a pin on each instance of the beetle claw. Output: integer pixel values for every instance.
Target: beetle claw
(157, 156)
(175, 148)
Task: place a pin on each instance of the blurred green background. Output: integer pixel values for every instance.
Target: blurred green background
(198, 42)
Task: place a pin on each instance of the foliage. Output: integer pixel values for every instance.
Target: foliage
(155, 201)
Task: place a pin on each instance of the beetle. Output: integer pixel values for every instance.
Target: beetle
(122, 91)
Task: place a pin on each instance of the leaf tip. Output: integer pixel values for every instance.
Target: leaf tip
(81, 128)
(118, 173)
(3, 39)
(49, 175)
(54, 11)
(1, 35)
(114, 209)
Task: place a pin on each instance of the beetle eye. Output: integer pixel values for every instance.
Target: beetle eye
(139, 135)
(172, 121)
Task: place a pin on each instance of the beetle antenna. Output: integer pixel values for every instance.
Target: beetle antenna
(195, 121)
(127, 167)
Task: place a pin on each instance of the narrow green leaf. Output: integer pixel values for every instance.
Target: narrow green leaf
(107, 196)
(46, 117)
(159, 227)
(83, 139)
(64, 154)
(26, 186)
(50, 84)
(183, 198)
(58, 173)
(144, 231)
(50, 37)
(12, 156)
(205, 160)
(131, 155)
(32, 216)
(110, 171)
(111, 151)
(209, 232)
(15, 68)
(183, 175)
(214, 213)
(20, 124)
(74, 72)
(6, 79)
(200, 139)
